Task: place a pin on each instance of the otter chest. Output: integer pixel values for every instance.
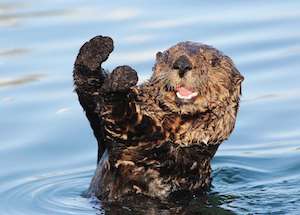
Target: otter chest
(184, 131)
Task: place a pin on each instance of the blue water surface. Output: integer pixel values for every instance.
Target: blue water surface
(47, 149)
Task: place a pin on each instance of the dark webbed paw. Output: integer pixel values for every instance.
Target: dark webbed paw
(94, 52)
(121, 79)
(88, 74)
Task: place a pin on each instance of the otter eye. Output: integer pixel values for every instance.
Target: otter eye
(215, 61)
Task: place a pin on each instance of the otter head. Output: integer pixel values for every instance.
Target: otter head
(193, 78)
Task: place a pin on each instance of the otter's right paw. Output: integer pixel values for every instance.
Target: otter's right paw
(94, 52)
(121, 79)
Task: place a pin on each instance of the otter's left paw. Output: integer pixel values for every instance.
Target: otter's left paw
(94, 52)
(121, 79)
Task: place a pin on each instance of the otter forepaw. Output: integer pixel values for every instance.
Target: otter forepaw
(94, 52)
(121, 79)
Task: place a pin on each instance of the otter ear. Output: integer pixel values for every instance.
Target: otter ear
(159, 56)
(239, 79)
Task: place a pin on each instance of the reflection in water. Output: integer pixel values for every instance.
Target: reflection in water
(217, 16)
(139, 38)
(20, 81)
(98, 14)
(7, 100)
(139, 205)
(11, 14)
(62, 110)
(13, 52)
(134, 57)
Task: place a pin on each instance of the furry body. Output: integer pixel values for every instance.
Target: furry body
(157, 138)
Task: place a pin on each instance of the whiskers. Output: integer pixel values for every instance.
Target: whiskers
(168, 87)
(158, 79)
(162, 80)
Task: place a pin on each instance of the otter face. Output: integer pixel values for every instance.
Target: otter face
(193, 77)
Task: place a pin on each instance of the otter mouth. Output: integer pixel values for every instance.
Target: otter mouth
(185, 94)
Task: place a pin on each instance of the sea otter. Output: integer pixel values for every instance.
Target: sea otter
(159, 137)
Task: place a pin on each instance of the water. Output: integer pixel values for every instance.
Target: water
(47, 150)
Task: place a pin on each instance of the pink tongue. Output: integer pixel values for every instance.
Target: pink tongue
(183, 91)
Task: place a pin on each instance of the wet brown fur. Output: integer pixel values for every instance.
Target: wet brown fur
(149, 141)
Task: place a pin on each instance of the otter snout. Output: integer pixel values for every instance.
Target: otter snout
(182, 64)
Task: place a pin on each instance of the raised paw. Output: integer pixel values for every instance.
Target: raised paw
(121, 79)
(94, 52)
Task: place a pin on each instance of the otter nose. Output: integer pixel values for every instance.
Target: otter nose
(182, 64)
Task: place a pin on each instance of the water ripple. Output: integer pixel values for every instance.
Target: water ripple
(51, 193)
